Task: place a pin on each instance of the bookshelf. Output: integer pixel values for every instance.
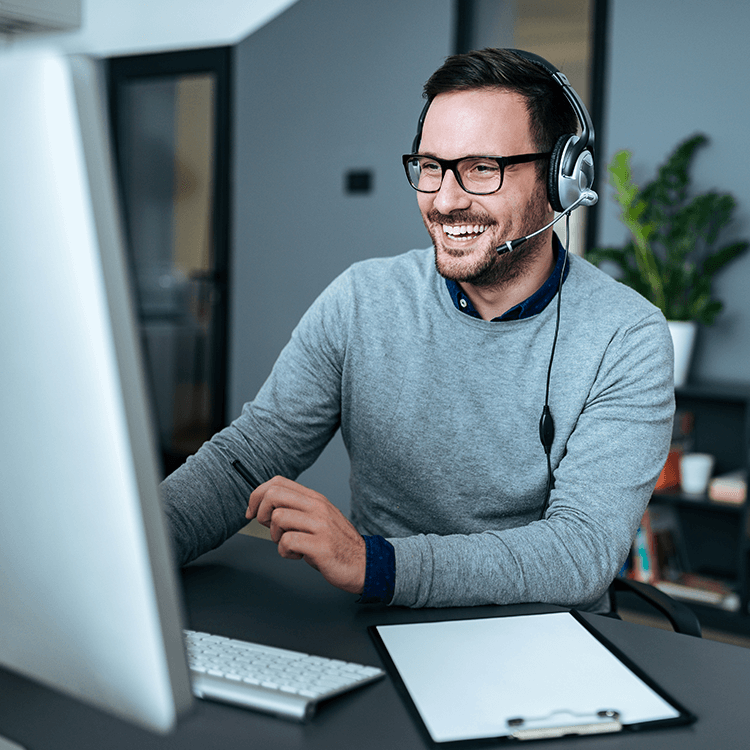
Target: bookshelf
(697, 549)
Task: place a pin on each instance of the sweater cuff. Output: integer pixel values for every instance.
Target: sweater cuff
(380, 571)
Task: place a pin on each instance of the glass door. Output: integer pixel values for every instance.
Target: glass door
(171, 133)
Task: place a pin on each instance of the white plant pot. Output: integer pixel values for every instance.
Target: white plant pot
(683, 337)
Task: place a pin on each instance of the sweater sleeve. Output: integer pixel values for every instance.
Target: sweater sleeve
(605, 468)
(280, 433)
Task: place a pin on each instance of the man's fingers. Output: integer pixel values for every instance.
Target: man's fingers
(286, 519)
(296, 545)
(279, 492)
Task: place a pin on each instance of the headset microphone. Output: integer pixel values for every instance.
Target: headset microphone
(587, 198)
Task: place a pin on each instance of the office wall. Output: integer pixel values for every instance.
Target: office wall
(327, 87)
(675, 69)
(494, 23)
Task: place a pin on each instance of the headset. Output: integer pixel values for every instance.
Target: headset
(569, 185)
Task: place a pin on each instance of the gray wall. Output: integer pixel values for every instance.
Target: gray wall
(493, 23)
(676, 69)
(326, 87)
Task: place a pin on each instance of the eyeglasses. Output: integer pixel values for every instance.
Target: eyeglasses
(478, 175)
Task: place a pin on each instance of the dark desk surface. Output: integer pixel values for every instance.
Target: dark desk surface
(245, 590)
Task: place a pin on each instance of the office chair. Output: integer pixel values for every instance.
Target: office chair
(680, 616)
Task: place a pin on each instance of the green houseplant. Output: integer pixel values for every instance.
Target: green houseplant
(672, 254)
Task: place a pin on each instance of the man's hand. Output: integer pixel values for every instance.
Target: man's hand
(306, 525)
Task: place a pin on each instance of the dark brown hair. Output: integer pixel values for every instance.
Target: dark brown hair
(550, 114)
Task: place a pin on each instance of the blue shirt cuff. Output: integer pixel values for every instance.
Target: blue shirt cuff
(380, 571)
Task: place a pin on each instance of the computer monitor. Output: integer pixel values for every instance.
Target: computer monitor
(89, 601)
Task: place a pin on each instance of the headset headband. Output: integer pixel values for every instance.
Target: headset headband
(586, 139)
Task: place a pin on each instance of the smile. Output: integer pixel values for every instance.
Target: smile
(464, 231)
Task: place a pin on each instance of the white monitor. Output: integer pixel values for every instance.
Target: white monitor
(89, 602)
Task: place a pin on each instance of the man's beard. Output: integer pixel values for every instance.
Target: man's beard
(494, 270)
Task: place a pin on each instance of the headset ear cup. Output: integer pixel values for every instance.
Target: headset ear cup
(553, 173)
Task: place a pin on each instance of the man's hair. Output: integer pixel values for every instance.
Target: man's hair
(550, 113)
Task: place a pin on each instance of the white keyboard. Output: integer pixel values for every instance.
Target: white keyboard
(274, 680)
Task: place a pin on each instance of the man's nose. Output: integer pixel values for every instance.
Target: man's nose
(451, 195)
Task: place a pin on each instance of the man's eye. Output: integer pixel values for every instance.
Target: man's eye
(484, 168)
(429, 166)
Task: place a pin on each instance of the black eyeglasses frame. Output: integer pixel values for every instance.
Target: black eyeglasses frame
(452, 164)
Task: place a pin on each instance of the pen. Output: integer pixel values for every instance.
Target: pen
(244, 472)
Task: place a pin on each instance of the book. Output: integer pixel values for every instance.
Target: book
(657, 551)
(643, 561)
(729, 488)
(702, 590)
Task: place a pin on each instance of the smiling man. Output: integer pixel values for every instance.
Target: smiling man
(438, 386)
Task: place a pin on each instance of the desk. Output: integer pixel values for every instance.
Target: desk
(245, 590)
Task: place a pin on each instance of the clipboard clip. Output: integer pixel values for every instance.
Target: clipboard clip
(561, 723)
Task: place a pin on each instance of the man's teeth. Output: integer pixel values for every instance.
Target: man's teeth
(464, 229)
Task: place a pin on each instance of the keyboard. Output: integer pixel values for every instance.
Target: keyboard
(286, 683)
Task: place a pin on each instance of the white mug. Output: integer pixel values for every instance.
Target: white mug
(695, 472)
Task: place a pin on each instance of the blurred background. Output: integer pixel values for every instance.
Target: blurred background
(258, 146)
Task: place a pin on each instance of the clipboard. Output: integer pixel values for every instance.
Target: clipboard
(520, 677)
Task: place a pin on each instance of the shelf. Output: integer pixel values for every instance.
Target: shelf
(688, 538)
(738, 392)
(702, 502)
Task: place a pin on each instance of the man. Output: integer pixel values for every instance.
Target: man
(434, 365)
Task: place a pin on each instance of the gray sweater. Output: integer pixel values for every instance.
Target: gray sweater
(440, 413)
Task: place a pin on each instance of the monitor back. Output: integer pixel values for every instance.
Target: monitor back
(88, 598)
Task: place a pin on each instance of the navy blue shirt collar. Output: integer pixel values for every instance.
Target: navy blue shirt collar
(532, 305)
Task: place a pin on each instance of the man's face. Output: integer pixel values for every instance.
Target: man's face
(466, 229)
